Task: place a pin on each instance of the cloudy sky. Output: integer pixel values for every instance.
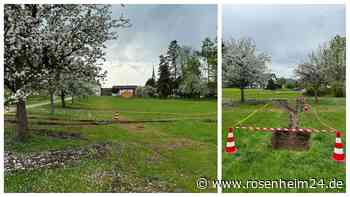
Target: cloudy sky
(131, 57)
(286, 32)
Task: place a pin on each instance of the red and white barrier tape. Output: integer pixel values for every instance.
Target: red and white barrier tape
(308, 130)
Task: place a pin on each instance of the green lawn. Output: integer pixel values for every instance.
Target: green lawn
(170, 155)
(37, 99)
(235, 94)
(256, 160)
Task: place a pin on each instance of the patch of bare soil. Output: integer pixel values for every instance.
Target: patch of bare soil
(173, 144)
(45, 122)
(292, 141)
(94, 122)
(154, 158)
(176, 143)
(34, 117)
(137, 125)
(232, 103)
(56, 121)
(129, 125)
(59, 134)
(119, 181)
(147, 121)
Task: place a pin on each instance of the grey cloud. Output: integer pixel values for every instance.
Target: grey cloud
(287, 32)
(153, 26)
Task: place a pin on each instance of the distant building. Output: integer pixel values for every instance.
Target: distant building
(124, 91)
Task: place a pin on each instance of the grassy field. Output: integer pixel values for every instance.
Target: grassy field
(235, 94)
(170, 155)
(37, 99)
(34, 99)
(256, 160)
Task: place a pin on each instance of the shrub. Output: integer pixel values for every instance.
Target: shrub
(271, 85)
(321, 92)
(146, 92)
(212, 89)
(149, 91)
(291, 85)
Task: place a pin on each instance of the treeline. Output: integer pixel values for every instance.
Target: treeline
(325, 69)
(323, 72)
(275, 83)
(184, 72)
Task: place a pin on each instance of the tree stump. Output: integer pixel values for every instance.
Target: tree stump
(291, 140)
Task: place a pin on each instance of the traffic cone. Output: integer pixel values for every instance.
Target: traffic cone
(230, 145)
(338, 154)
(116, 116)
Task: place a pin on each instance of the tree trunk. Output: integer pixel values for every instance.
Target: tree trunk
(175, 70)
(72, 98)
(63, 102)
(22, 131)
(208, 71)
(294, 140)
(52, 101)
(293, 120)
(242, 95)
